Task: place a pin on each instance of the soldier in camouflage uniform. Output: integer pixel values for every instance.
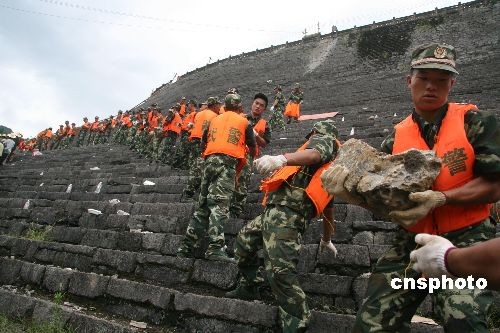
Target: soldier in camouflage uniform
(468, 142)
(196, 170)
(57, 138)
(171, 127)
(226, 138)
(292, 109)
(279, 229)
(262, 137)
(181, 159)
(277, 120)
(83, 133)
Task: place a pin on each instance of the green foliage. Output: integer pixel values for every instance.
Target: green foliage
(54, 325)
(36, 232)
(59, 297)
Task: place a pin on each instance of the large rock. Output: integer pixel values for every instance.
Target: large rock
(384, 181)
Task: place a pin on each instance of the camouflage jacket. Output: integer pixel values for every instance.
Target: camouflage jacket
(291, 193)
(253, 120)
(279, 100)
(481, 130)
(296, 97)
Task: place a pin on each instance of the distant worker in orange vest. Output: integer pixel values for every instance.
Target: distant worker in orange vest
(182, 107)
(262, 134)
(170, 132)
(226, 139)
(295, 100)
(182, 149)
(457, 208)
(94, 129)
(293, 197)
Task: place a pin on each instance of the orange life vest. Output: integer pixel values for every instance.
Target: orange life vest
(86, 125)
(314, 190)
(201, 121)
(457, 156)
(260, 127)
(187, 119)
(182, 109)
(67, 130)
(226, 135)
(174, 125)
(153, 122)
(48, 134)
(126, 121)
(95, 126)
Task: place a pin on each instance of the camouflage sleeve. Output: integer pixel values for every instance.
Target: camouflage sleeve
(388, 143)
(325, 145)
(267, 133)
(249, 136)
(483, 134)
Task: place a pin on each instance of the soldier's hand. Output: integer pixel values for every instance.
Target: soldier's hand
(427, 201)
(255, 133)
(327, 245)
(431, 258)
(267, 163)
(272, 108)
(333, 180)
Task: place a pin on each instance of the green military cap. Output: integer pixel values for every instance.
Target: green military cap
(297, 85)
(232, 101)
(212, 100)
(434, 56)
(325, 127)
(233, 91)
(278, 87)
(192, 101)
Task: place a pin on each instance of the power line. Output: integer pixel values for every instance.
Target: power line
(156, 19)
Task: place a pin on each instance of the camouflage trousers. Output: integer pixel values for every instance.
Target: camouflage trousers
(278, 231)
(82, 138)
(141, 141)
(167, 148)
(277, 120)
(91, 137)
(129, 136)
(196, 170)
(240, 194)
(56, 144)
(217, 187)
(181, 158)
(388, 310)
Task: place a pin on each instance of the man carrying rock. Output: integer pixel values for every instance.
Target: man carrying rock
(294, 195)
(227, 138)
(457, 208)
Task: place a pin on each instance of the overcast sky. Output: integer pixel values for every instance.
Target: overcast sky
(69, 59)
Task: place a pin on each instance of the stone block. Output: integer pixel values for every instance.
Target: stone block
(377, 251)
(307, 258)
(323, 322)
(234, 225)
(171, 244)
(359, 287)
(129, 241)
(253, 313)
(140, 292)
(384, 238)
(72, 260)
(15, 306)
(216, 273)
(100, 238)
(32, 273)
(326, 284)
(119, 260)
(152, 241)
(87, 284)
(211, 325)
(347, 254)
(363, 238)
(45, 310)
(9, 272)
(375, 225)
(67, 234)
(356, 213)
(56, 279)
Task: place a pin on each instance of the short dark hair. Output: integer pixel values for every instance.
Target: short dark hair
(261, 96)
(414, 70)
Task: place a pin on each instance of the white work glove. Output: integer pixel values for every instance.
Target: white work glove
(333, 180)
(255, 133)
(190, 125)
(327, 245)
(267, 163)
(427, 201)
(271, 108)
(431, 258)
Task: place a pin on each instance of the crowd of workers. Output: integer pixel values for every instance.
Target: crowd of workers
(221, 145)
